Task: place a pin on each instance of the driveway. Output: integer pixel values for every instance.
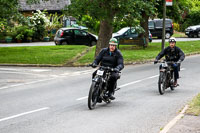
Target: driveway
(27, 44)
(53, 44)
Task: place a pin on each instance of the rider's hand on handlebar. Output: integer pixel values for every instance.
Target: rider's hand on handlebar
(116, 69)
(155, 61)
(93, 65)
(179, 62)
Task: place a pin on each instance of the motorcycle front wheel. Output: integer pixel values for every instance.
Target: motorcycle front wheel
(161, 83)
(172, 82)
(93, 95)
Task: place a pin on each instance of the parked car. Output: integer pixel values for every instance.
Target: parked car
(128, 33)
(193, 31)
(156, 25)
(74, 36)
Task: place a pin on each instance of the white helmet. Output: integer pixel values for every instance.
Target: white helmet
(172, 39)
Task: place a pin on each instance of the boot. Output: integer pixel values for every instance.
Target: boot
(110, 95)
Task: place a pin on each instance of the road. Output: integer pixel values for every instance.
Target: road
(54, 100)
(53, 44)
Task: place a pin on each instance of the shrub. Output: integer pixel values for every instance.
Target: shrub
(39, 22)
(176, 26)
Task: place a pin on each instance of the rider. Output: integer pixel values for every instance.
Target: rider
(110, 57)
(172, 53)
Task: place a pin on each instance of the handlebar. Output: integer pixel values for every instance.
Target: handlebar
(105, 68)
(168, 62)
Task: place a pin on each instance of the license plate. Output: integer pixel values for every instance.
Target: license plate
(186, 32)
(99, 72)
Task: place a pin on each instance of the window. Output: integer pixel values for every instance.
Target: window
(80, 33)
(151, 25)
(68, 32)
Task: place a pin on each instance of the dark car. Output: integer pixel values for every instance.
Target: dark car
(128, 33)
(156, 25)
(193, 31)
(74, 36)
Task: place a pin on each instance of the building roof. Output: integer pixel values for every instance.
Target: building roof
(51, 5)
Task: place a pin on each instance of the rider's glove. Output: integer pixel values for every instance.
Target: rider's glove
(179, 62)
(116, 69)
(155, 61)
(93, 65)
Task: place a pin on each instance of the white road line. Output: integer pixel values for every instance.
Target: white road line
(9, 69)
(10, 86)
(173, 122)
(22, 73)
(127, 84)
(137, 81)
(134, 82)
(82, 98)
(22, 114)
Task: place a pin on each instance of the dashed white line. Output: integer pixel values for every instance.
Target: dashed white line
(134, 82)
(22, 114)
(10, 86)
(127, 84)
(82, 98)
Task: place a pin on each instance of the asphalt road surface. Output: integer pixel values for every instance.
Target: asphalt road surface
(54, 100)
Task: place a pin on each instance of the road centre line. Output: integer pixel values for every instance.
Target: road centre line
(10, 86)
(134, 82)
(22, 114)
(22, 73)
(82, 98)
(127, 84)
(53, 77)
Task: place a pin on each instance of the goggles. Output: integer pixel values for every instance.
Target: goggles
(172, 40)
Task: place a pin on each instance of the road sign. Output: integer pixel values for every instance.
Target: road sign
(169, 2)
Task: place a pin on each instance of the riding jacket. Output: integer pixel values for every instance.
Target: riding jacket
(110, 59)
(171, 54)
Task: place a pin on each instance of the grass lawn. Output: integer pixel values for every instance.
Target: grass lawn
(194, 106)
(179, 34)
(135, 54)
(59, 55)
(55, 55)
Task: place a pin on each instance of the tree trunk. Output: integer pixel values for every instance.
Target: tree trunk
(144, 23)
(104, 36)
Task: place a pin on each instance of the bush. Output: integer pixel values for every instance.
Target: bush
(39, 22)
(193, 18)
(176, 26)
(23, 32)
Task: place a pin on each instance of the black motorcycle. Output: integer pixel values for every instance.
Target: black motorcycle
(99, 88)
(166, 76)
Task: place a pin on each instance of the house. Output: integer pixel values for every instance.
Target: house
(51, 6)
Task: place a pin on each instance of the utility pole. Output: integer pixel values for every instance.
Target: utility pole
(163, 30)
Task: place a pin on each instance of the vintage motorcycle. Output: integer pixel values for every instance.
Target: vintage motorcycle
(99, 88)
(166, 76)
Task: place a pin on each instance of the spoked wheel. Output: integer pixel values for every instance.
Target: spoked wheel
(93, 96)
(172, 82)
(161, 83)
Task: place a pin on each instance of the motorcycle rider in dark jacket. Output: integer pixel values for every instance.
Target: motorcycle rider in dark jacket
(110, 57)
(172, 53)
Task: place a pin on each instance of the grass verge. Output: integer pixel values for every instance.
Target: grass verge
(194, 106)
(133, 54)
(54, 55)
(179, 34)
(60, 55)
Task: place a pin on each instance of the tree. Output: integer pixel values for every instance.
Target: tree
(107, 12)
(148, 10)
(8, 8)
